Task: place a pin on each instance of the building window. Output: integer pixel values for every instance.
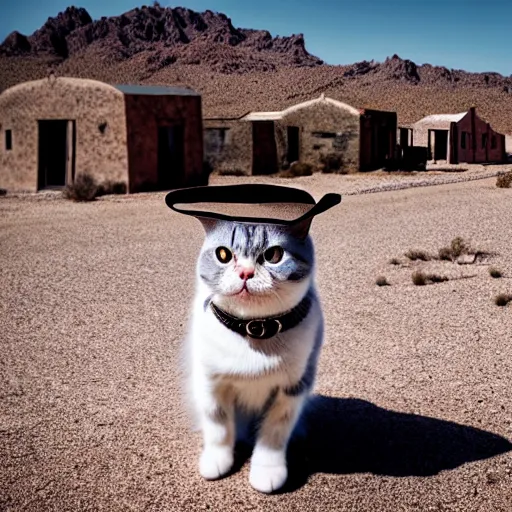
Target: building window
(324, 135)
(484, 140)
(463, 140)
(215, 140)
(494, 142)
(8, 140)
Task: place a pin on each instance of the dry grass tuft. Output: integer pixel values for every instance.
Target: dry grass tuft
(414, 255)
(495, 273)
(502, 299)
(504, 180)
(382, 281)
(422, 279)
(297, 169)
(457, 247)
(83, 189)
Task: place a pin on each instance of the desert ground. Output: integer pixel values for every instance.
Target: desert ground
(413, 406)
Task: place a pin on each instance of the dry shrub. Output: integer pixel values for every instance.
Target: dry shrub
(504, 180)
(422, 279)
(110, 187)
(394, 261)
(502, 299)
(457, 247)
(297, 169)
(3, 192)
(495, 273)
(333, 163)
(84, 188)
(382, 281)
(414, 255)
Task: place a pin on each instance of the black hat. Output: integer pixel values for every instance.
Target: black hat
(276, 203)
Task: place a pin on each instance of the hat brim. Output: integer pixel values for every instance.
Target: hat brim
(250, 194)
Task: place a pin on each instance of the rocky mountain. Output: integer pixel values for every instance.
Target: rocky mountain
(238, 69)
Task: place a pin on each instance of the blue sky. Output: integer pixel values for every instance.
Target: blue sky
(464, 34)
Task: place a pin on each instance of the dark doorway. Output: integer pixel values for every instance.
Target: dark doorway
(440, 144)
(293, 154)
(56, 153)
(171, 142)
(264, 148)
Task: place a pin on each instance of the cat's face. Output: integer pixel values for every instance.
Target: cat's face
(255, 267)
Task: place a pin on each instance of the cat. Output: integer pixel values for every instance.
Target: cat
(264, 369)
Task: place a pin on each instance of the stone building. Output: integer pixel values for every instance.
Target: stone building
(265, 142)
(463, 137)
(52, 130)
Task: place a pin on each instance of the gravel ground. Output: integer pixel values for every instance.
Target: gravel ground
(413, 409)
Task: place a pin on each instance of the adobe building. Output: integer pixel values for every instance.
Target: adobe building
(52, 130)
(456, 138)
(265, 142)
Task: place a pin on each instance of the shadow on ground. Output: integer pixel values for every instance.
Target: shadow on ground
(354, 436)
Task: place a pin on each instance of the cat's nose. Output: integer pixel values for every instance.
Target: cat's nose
(246, 273)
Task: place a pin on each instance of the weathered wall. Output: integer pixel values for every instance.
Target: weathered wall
(89, 103)
(144, 114)
(235, 154)
(479, 141)
(378, 130)
(321, 118)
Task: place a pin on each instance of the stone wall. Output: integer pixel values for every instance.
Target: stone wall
(99, 115)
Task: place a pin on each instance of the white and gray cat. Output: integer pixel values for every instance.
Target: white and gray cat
(262, 368)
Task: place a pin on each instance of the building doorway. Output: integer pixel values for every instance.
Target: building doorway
(293, 153)
(171, 142)
(264, 148)
(56, 153)
(440, 145)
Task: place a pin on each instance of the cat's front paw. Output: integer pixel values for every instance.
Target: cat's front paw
(215, 462)
(268, 478)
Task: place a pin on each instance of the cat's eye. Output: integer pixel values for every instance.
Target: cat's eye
(273, 254)
(223, 254)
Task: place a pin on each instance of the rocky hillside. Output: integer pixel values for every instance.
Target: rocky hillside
(238, 69)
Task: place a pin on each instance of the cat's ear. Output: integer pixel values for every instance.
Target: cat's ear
(301, 229)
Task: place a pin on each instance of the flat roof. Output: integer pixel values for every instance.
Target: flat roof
(154, 90)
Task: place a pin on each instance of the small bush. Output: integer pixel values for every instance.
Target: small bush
(459, 246)
(111, 187)
(333, 163)
(297, 169)
(419, 279)
(417, 255)
(502, 299)
(84, 188)
(382, 281)
(3, 192)
(445, 253)
(394, 261)
(422, 279)
(495, 273)
(504, 180)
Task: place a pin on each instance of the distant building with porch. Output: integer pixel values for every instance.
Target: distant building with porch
(456, 138)
(266, 142)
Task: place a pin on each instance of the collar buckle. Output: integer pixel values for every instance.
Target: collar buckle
(263, 329)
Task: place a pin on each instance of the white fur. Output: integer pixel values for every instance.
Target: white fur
(225, 369)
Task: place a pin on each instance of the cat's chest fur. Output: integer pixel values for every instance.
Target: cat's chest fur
(251, 369)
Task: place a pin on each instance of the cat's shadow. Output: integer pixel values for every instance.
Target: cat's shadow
(354, 436)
